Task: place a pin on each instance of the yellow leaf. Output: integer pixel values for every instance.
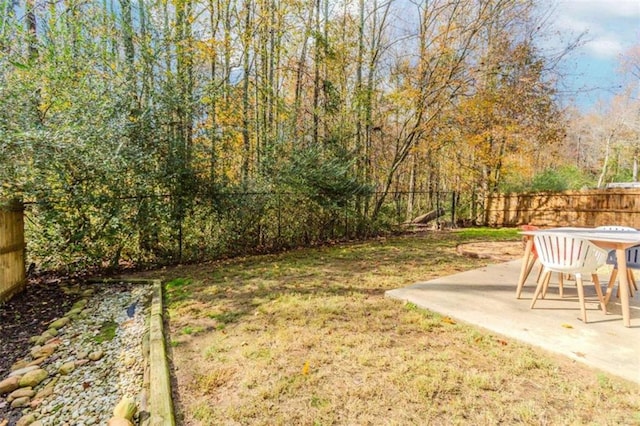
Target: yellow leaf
(305, 368)
(567, 325)
(448, 320)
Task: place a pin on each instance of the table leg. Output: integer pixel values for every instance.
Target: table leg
(623, 279)
(527, 263)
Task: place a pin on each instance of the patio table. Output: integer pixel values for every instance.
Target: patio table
(606, 239)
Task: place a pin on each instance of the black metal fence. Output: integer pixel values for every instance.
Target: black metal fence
(163, 229)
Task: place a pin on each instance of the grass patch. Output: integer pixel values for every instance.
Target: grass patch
(307, 337)
(489, 234)
(226, 317)
(178, 289)
(188, 330)
(107, 332)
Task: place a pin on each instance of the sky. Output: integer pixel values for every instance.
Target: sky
(612, 27)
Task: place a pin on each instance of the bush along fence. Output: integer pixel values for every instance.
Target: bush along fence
(105, 233)
(569, 208)
(12, 249)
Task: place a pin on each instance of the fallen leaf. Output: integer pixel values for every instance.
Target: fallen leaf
(305, 368)
(567, 325)
(448, 320)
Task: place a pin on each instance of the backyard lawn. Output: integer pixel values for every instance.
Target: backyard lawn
(307, 337)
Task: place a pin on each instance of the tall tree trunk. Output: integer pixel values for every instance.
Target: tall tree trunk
(32, 30)
(605, 161)
(214, 19)
(412, 187)
(300, 73)
(246, 68)
(316, 76)
(129, 55)
(358, 89)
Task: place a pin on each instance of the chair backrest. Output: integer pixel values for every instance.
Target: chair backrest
(633, 257)
(616, 228)
(565, 253)
(632, 253)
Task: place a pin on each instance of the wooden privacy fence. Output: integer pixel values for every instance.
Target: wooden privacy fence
(12, 270)
(569, 208)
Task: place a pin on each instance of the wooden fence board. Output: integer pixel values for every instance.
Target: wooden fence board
(570, 208)
(12, 263)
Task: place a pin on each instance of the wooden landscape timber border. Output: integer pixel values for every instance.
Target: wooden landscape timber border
(585, 208)
(160, 397)
(12, 261)
(161, 410)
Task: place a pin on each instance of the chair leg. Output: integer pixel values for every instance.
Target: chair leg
(596, 283)
(539, 287)
(561, 285)
(633, 279)
(612, 281)
(545, 286)
(631, 282)
(539, 272)
(583, 307)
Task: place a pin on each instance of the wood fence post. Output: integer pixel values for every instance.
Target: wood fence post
(12, 259)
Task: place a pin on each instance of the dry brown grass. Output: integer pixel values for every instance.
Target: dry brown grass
(307, 337)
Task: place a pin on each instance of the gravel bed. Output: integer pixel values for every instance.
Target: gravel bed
(85, 365)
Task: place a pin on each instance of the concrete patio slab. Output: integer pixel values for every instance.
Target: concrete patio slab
(486, 297)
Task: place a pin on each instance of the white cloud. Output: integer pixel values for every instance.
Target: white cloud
(605, 47)
(610, 26)
(573, 24)
(601, 8)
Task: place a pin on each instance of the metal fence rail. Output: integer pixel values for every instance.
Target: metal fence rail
(157, 229)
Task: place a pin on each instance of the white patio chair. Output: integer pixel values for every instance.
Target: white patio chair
(569, 255)
(633, 262)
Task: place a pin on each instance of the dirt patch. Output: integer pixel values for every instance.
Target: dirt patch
(501, 251)
(28, 314)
